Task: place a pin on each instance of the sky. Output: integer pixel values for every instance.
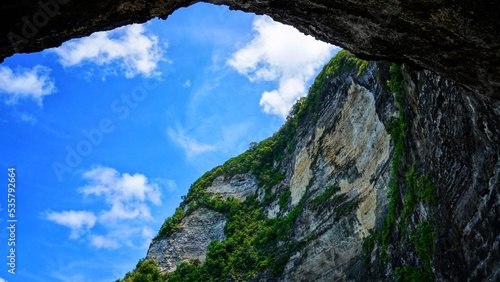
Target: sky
(106, 133)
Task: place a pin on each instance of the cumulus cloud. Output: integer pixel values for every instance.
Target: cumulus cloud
(127, 198)
(280, 53)
(26, 83)
(127, 194)
(78, 221)
(130, 49)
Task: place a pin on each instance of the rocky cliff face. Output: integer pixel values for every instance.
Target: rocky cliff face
(454, 135)
(191, 241)
(375, 188)
(346, 149)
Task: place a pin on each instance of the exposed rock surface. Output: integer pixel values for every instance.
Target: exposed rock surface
(452, 135)
(349, 147)
(190, 242)
(460, 39)
(239, 186)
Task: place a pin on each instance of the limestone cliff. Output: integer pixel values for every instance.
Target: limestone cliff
(381, 173)
(346, 146)
(191, 241)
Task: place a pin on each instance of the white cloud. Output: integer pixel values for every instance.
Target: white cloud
(127, 202)
(2, 280)
(187, 83)
(78, 221)
(127, 194)
(128, 48)
(25, 83)
(99, 242)
(190, 146)
(280, 53)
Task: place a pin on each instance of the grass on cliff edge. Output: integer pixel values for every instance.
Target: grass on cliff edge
(254, 243)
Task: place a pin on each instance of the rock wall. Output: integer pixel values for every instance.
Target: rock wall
(190, 242)
(239, 186)
(454, 134)
(339, 174)
(348, 147)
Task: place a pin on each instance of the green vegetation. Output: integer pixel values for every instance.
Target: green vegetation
(185, 272)
(343, 62)
(172, 223)
(423, 240)
(410, 274)
(284, 199)
(361, 64)
(259, 160)
(396, 82)
(325, 196)
(263, 159)
(422, 237)
(397, 129)
(419, 189)
(145, 271)
(255, 243)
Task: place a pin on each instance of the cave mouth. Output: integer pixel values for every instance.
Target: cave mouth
(458, 45)
(99, 109)
(293, 62)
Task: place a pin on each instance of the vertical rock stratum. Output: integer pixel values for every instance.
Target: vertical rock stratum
(382, 173)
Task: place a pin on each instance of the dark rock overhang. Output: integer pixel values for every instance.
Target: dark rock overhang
(458, 39)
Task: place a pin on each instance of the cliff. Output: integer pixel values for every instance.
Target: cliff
(382, 173)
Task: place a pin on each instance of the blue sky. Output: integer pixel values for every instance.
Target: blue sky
(108, 132)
